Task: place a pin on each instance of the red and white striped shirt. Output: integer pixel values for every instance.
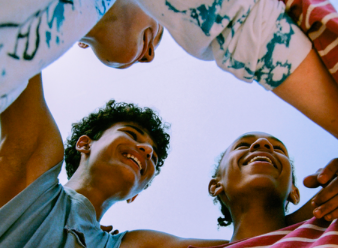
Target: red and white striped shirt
(312, 233)
(319, 20)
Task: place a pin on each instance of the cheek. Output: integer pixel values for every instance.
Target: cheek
(232, 179)
(122, 48)
(286, 175)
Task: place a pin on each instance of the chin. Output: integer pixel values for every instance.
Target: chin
(263, 181)
(117, 65)
(124, 66)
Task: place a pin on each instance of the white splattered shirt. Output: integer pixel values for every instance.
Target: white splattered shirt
(34, 33)
(252, 39)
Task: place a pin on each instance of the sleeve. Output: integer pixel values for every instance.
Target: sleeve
(47, 184)
(319, 20)
(34, 33)
(253, 40)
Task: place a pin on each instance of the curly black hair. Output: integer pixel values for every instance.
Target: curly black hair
(96, 123)
(226, 220)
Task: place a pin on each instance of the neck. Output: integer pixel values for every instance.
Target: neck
(256, 217)
(82, 184)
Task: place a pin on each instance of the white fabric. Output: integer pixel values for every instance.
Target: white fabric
(34, 33)
(252, 39)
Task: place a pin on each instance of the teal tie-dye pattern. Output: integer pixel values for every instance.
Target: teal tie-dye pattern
(232, 27)
(203, 16)
(282, 36)
(29, 30)
(237, 65)
(102, 6)
(268, 69)
(58, 14)
(48, 38)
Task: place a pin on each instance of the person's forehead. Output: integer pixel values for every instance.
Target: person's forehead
(250, 136)
(138, 128)
(256, 135)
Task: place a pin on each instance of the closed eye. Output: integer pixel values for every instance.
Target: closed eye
(242, 145)
(154, 158)
(279, 148)
(132, 134)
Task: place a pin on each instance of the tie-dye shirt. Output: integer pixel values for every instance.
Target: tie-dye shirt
(319, 20)
(34, 33)
(311, 233)
(252, 39)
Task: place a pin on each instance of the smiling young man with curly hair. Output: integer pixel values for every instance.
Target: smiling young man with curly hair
(111, 156)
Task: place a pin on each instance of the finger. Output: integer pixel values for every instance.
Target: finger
(311, 181)
(326, 193)
(331, 216)
(326, 208)
(329, 171)
(115, 232)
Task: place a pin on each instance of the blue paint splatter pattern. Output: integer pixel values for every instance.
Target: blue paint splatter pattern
(269, 68)
(204, 16)
(102, 6)
(28, 32)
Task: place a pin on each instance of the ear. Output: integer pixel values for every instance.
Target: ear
(83, 144)
(215, 187)
(83, 45)
(294, 195)
(132, 199)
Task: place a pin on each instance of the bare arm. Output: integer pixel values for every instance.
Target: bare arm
(30, 141)
(311, 89)
(155, 239)
(325, 203)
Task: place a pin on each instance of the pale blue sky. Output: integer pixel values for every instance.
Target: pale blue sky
(207, 108)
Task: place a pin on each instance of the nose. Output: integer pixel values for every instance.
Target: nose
(150, 50)
(261, 144)
(146, 149)
(149, 55)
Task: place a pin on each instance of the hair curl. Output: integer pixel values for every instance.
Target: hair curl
(226, 220)
(96, 123)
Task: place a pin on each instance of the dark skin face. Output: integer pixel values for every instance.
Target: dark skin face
(125, 35)
(256, 161)
(254, 181)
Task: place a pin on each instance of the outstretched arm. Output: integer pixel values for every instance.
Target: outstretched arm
(30, 141)
(312, 90)
(155, 239)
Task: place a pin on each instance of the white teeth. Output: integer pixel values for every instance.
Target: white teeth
(260, 158)
(135, 159)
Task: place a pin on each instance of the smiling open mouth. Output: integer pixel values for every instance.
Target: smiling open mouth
(263, 159)
(136, 161)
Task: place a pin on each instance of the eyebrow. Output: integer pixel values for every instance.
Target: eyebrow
(136, 128)
(141, 132)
